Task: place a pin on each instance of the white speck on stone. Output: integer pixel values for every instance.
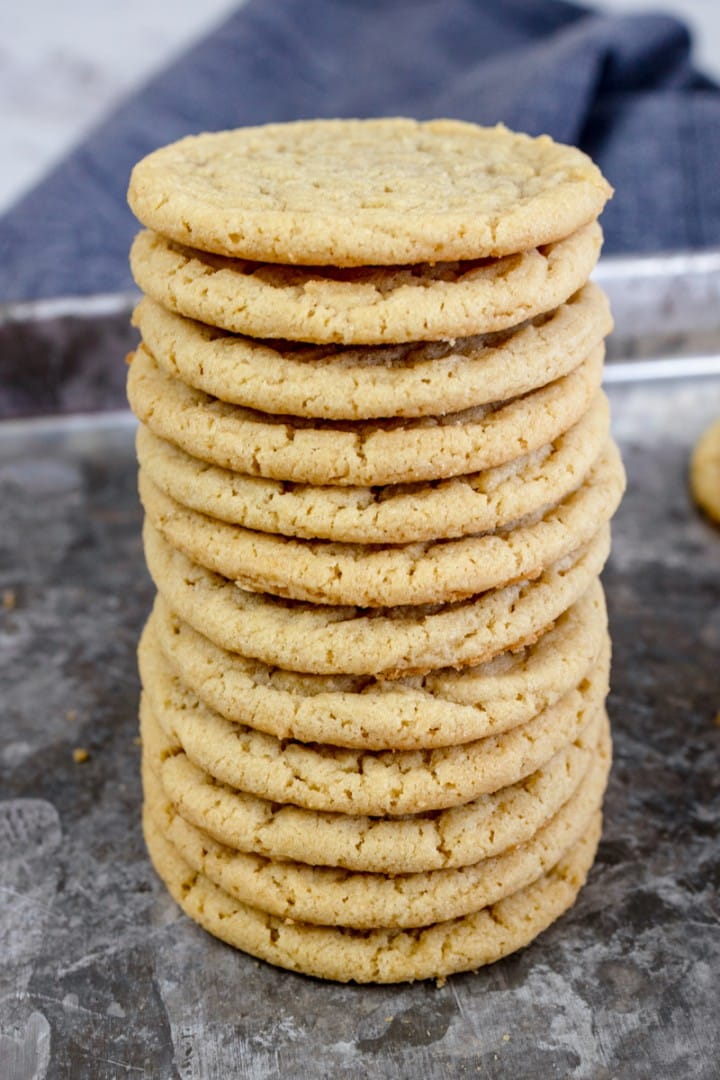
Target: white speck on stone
(15, 753)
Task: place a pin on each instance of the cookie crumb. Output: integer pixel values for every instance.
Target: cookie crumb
(9, 599)
(71, 715)
(440, 982)
(80, 754)
(506, 1038)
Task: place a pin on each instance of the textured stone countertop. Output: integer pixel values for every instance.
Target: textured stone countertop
(103, 977)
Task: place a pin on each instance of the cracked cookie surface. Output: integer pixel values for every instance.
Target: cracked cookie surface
(367, 305)
(334, 897)
(413, 843)
(357, 192)
(432, 572)
(402, 513)
(364, 453)
(382, 956)
(342, 383)
(384, 642)
(443, 708)
(344, 780)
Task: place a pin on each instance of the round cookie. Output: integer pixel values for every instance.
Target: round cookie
(426, 573)
(705, 472)
(381, 956)
(411, 380)
(404, 514)
(443, 708)
(458, 836)
(364, 453)
(332, 897)
(341, 780)
(382, 643)
(370, 305)
(351, 192)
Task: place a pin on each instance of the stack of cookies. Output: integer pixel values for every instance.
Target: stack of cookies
(378, 480)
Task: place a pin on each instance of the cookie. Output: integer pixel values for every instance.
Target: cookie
(403, 514)
(443, 708)
(341, 780)
(705, 472)
(459, 836)
(417, 379)
(382, 956)
(364, 453)
(425, 573)
(351, 192)
(370, 305)
(333, 897)
(384, 642)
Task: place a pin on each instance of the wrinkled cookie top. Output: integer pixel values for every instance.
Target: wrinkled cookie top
(358, 192)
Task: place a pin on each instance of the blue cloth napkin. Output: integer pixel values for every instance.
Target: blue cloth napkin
(622, 88)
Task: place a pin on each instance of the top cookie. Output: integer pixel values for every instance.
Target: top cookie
(362, 192)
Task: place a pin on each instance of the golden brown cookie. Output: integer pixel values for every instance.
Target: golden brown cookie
(705, 472)
(363, 453)
(369, 305)
(356, 192)
(334, 897)
(386, 642)
(434, 572)
(401, 514)
(416, 379)
(443, 708)
(414, 843)
(382, 956)
(342, 780)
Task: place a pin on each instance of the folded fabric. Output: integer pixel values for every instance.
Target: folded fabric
(622, 88)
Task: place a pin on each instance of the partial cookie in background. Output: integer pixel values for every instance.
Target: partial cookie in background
(360, 453)
(341, 383)
(443, 708)
(414, 843)
(401, 514)
(369, 305)
(362, 192)
(387, 642)
(705, 472)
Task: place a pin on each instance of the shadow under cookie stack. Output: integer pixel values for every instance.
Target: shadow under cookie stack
(377, 477)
